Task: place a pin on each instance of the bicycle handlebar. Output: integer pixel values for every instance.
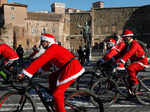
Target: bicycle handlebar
(22, 85)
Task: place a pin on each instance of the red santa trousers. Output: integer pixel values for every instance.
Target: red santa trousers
(133, 69)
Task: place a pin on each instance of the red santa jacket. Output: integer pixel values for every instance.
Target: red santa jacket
(135, 53)
(8, 53)
(115, 50)
(58, 56)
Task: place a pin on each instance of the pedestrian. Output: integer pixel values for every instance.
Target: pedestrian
(81, 55)
(20, 52)
(69, 69)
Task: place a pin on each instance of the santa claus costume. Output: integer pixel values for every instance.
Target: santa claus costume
(8, 53)
(137, 56)
(59, 82)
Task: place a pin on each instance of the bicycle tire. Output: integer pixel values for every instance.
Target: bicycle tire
(86, 80)
(14, 101)
(143, 91)
(107, 90)
(79, 101)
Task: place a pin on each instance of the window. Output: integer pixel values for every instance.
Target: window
(53, 30)
(33, 30)
(12, 8)
(12, 16)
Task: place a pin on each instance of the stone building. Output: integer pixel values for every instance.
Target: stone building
(106, 21)
(18, 26)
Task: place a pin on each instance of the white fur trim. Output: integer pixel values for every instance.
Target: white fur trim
(146, 66)
(47, 39)
(51, 43)
(71, 78)
(120, 68)
(27, 73)
(13, 59)
(10, 61)
(122, 61)
(116, 49)
(128, 35)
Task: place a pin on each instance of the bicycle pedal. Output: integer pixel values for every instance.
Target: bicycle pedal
(131, 94)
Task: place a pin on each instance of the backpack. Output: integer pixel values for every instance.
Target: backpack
(144, 46)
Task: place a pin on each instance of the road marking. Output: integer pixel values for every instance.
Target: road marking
(126, 105)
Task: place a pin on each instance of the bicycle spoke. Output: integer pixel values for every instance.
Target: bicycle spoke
(143, 92)
(106, 90)
(86, 80)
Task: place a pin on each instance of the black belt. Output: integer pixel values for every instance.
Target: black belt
(67, 64)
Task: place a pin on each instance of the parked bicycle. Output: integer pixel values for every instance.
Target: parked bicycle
(20, 100)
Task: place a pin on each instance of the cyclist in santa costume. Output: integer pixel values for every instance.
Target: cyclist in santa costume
(8, 53)
(136, 54)
(111, 49)
(114, 51)
(58, 56)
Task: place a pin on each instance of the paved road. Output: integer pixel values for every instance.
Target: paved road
(122, 105)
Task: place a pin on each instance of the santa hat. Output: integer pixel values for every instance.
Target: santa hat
(111, 40)
(48, 37)
(127, 33)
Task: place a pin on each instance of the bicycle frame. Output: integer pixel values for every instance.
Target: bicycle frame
(37, 88)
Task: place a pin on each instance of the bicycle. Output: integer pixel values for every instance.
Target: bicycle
(116, 84)
(88, 78)
(78, 101)
(8, 72)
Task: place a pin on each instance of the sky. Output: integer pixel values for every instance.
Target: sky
(44, 5)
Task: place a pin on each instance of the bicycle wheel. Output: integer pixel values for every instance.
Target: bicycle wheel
(80, 101)
(106, 89)
(143, 91)
(13, 101)
(85, 80)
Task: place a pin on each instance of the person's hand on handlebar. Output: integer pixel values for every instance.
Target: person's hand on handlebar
(21, 77)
